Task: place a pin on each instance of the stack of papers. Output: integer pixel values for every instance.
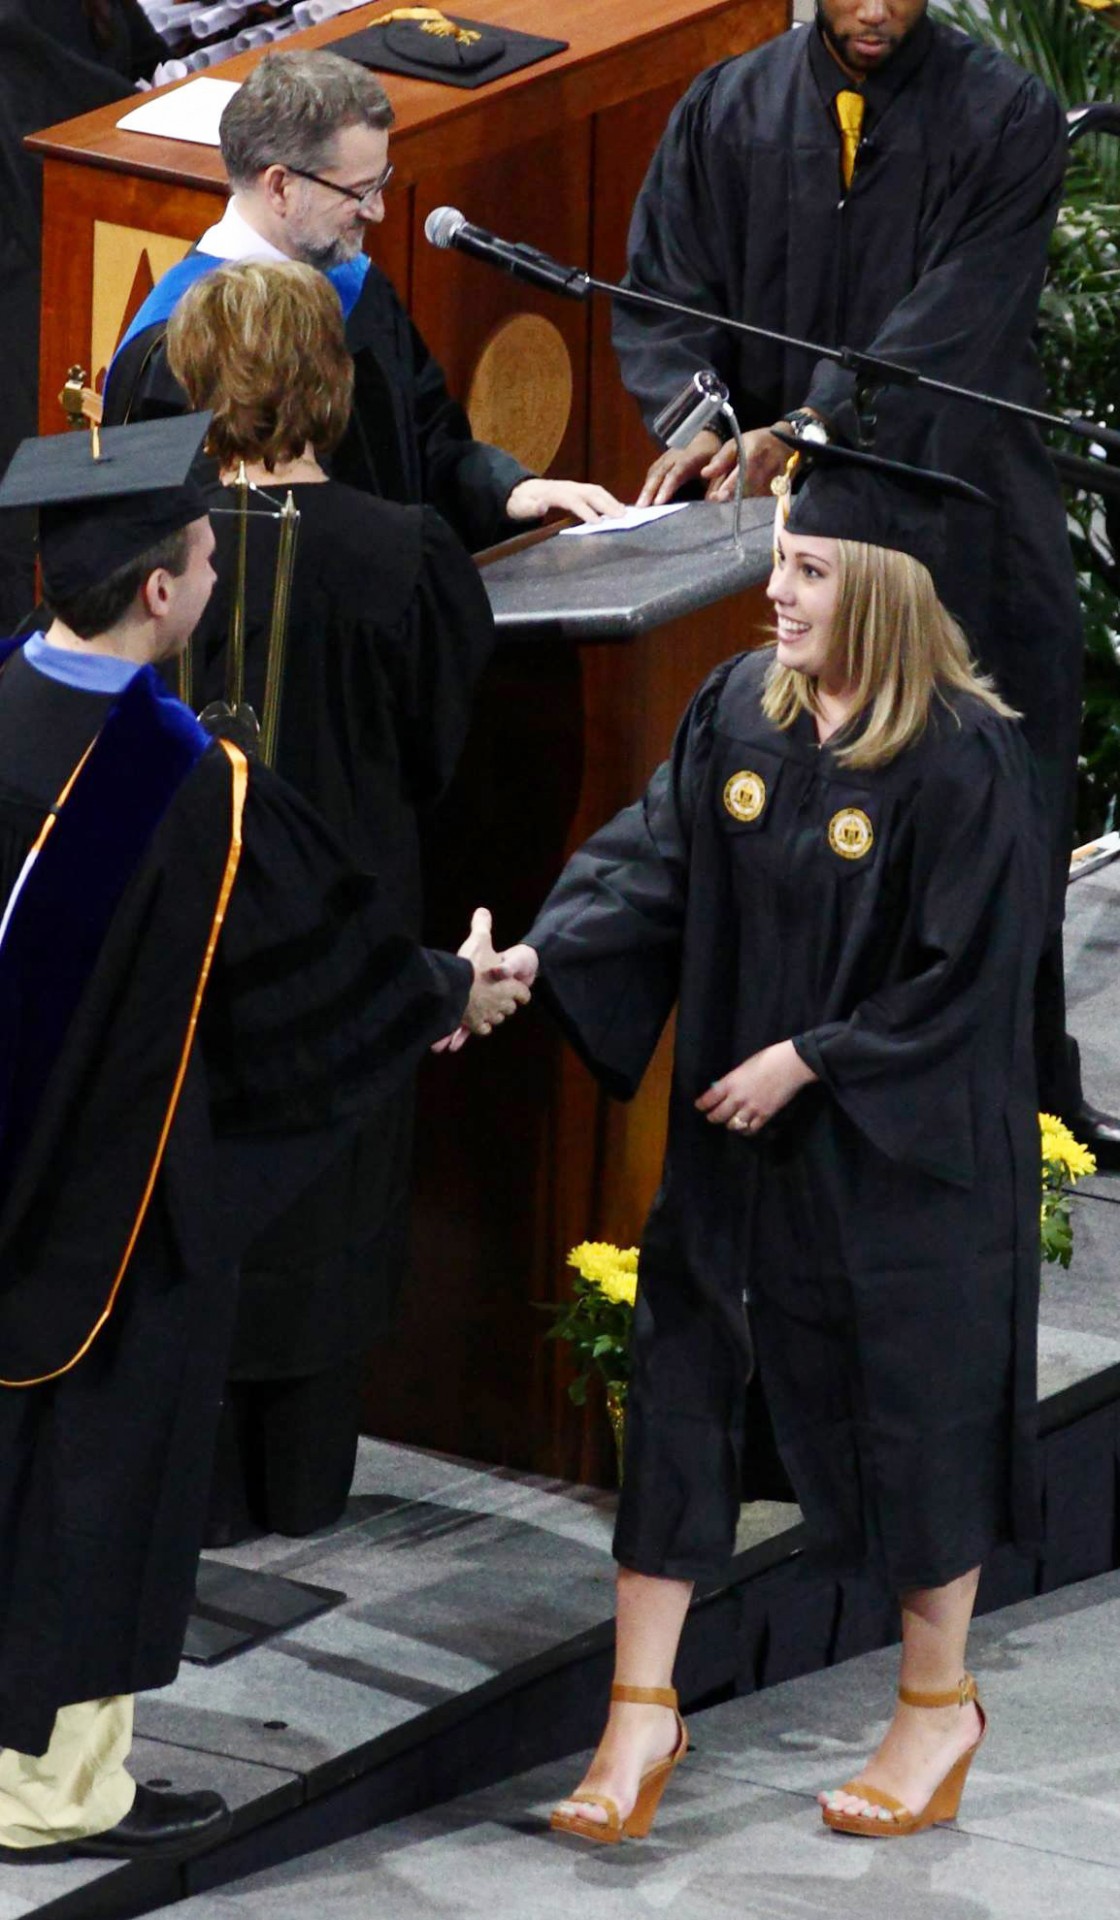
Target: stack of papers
(191, 112)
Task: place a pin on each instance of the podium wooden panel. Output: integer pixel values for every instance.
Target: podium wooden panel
(517, 1154)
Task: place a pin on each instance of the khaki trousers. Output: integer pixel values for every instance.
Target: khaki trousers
(79, 1786)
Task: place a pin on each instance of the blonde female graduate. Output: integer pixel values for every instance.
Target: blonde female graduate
(838, 878)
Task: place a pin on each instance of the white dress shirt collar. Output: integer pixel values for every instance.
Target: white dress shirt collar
(232, 238)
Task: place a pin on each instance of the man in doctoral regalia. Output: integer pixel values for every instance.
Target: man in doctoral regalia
(305, 141)
(880, 181)
(199, 997)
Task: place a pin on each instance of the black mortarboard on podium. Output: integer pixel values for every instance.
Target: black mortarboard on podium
(106, 497)
(845, 493)
(445, 48)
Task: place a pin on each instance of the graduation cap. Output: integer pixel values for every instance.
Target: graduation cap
(845, 493)
(104, 498)
(431, 45)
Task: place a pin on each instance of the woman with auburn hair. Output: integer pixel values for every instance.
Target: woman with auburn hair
(389, 630)
(839, 877)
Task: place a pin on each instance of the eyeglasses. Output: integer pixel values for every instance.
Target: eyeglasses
(351, 193)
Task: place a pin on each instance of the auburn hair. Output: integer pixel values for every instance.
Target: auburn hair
(262, 344)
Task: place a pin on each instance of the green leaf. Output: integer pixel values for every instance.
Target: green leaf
(1077, 54)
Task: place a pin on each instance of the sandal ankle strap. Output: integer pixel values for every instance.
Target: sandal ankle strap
(646, 1696)
(959, 1696)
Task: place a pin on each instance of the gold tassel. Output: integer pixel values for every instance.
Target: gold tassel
(430, 20)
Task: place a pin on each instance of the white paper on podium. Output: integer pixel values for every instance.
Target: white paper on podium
(624, 522)
(190, 113)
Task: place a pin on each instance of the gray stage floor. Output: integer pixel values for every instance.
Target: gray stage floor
(455, 1574)
(739, 1834)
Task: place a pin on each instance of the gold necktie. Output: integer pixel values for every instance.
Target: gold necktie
(849, 112)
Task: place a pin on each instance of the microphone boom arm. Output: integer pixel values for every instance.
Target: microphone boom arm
(447, 227)
(874, 370)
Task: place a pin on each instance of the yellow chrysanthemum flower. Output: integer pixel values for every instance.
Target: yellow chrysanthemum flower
(1061, 1146)
(613, 1270)
(620, 1286)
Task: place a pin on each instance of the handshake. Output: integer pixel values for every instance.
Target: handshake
(501, 982)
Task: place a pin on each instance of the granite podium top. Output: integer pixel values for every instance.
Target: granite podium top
(613, 586)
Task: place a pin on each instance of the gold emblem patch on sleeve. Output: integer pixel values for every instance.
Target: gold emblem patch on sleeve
(744, 796)
(850, 834)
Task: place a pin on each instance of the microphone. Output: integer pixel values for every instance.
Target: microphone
(447, 227)
(700, 401)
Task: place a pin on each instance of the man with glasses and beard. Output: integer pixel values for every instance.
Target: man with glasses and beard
(305, 141)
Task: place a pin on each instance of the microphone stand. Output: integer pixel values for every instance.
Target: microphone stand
(871, 371)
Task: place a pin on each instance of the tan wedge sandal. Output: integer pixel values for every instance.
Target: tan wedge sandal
(944, 1802)
(651, 1786)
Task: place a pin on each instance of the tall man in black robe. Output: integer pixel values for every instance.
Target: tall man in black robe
(918, 235)
(305, 142)
(199, 997)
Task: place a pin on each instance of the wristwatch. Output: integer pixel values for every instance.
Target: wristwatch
(807, 426)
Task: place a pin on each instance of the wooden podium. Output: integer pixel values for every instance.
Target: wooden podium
(517, 1155)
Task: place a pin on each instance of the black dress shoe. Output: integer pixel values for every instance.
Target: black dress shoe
(158, 1824)
(1098, 1131)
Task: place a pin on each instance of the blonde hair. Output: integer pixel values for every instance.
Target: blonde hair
(895, 645)
(263, 345)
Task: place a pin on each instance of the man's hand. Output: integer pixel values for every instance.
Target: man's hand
(497, 991)
(520, 963)
(763, 456)
(672, 470)
(531, 499)
(751, 1094)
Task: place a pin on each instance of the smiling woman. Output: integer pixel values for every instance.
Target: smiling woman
(861, 631)
(838, 877)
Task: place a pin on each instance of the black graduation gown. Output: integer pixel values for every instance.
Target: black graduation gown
(390, 628)
(879, 1240)
(50, 69)
(934, 258)
(318, 1004)
(407, 439)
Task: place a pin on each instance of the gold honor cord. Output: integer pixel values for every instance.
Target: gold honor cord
(235, 672)
(45, 829)
(41, 840)
(239, 784)
(184, 677)
(278, 630)
(232, 714)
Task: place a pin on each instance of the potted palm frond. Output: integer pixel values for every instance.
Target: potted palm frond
(1074, 46)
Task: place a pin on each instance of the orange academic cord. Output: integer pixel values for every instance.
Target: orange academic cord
(239, 787)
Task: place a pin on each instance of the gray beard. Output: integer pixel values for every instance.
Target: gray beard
(335, 253)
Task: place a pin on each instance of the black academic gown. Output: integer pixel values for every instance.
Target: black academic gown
(876, 1246)
(934, 258)
(318, 1004)
(51, 68)
(407, 439)
(389, 630)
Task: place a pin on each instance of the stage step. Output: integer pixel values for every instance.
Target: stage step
(739, 1833)
(475, 1638)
